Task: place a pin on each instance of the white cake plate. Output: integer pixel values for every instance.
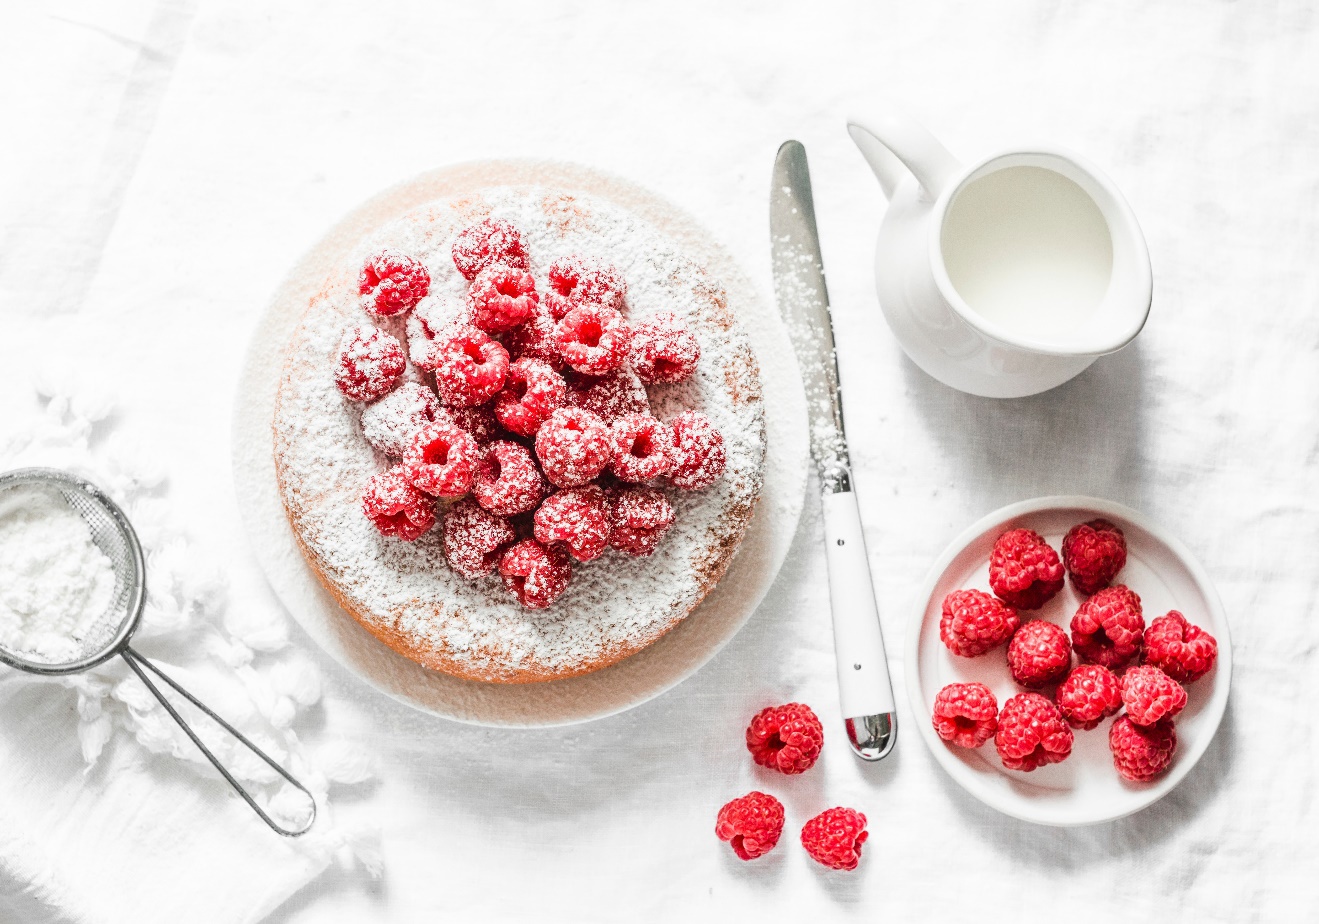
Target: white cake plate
(632, 681)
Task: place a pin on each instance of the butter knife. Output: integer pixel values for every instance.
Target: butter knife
(865, 691)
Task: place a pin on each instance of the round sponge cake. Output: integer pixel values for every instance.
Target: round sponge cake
(404, 592)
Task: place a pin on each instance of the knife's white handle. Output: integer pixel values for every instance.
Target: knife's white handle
(864, 687)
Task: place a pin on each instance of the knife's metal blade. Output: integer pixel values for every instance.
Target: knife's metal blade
(804, 304)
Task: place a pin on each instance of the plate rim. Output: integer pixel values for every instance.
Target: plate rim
(1214, 709)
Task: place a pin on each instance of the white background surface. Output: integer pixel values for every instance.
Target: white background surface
(163, 165)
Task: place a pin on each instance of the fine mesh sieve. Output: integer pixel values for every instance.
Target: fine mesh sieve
(109, 635)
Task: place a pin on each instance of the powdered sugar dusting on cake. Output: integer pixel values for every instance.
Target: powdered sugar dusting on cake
(615, 605)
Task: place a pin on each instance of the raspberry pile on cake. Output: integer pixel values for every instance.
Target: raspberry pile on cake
(536, 446)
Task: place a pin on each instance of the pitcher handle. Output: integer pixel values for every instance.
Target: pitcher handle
(890, 140)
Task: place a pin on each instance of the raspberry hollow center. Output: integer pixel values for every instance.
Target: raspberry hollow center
(642, 447)
(437, 453)
(589, 333)
(473, 353)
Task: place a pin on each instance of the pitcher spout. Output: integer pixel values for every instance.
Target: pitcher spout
(894, 144)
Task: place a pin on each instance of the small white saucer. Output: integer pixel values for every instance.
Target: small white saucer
(1084, 789)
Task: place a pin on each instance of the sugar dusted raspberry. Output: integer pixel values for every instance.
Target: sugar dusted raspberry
(507, 480)
(370, 361)
(786, 738)
(433, 323)
(751, 824)
(1031, 733)
(532, 392)
(593, 339)
(535, 574)
(1089, 695)
(1141, 754)
(973, 622)
(610, 396)
(441, 460)
(390, 424)
(1150, 695)
(1093, 554)
(471, 369)
(965, 714)
(396, 507)
(1024, 570)
(663, 349)
(698, 452)
(391, 282)
(638, 519)
(576, 281)
(1039, 654)
(1108, 628)
(475, 538)
(491, 241)
(576, 517)
(573, 446)
(535, 339)
(643, 448)
(1182, 651)
(502, 297)
(834, 837)
(478, 421)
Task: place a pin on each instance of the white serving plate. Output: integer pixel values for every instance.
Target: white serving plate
(1084, 789)
(632, 681)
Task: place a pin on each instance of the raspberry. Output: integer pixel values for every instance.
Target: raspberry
(501, 298)
(1089, 695)
(433, 323)
(576, 517)
(966, 714)
(534, 339)
(1141, 754)
(973, 622)
(507, 480)
(532, 392)
(396, 507)
(392, 282)
(751, 824)
(1023, 570)
(1182, 651)
(491, 241)
(576, 281)
(479, 421)
(643, 448)
(442, 460)
(1150, 695)
(471, 369)
(1094, 553)
(785, 738)
(834, 837)
(475, 539)
(1108, 627)
(573, 447)
(663, 349)
(535, 574)
(370, 362)
(638, 519)
(611, 396)
(698, 452)
(593, 339)
(1039, 654)
(1031, 733)
(390, 424)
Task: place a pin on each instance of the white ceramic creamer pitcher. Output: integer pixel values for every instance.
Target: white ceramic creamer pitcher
(1007, 276)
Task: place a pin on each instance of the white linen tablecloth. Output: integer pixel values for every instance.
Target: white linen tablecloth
(163, 165)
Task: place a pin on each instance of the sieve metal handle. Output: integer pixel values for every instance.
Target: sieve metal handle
(137, 663)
